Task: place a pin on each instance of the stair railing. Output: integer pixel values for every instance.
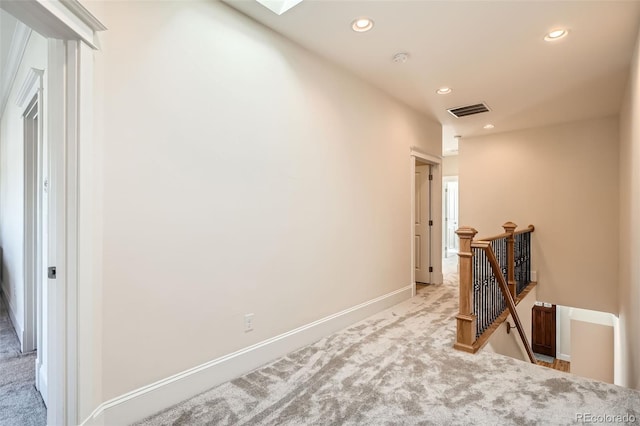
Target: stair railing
(495, 273)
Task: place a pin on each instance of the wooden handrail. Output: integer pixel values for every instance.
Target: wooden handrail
(495, 237)
(470, 324)
(486, 246)
(529, 228)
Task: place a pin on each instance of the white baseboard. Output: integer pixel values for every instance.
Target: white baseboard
(150, 399)
(41, 381)
(12, 316)
(563, 357)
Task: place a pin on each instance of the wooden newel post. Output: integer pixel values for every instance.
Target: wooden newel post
(510, 228)
(466, 320)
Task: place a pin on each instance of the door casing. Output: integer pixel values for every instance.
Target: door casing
(71, 30)
(422, 231)
(417, 155)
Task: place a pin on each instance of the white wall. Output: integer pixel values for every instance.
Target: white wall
(562, 179)
(450, 165)
(241, 175)
(563, 333)
(12, 185)
(629, 293)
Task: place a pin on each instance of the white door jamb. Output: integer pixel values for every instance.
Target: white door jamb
(436, 238)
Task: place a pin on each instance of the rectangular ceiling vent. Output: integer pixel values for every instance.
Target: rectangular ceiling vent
(463, 111)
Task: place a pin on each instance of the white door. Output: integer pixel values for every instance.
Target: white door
(36, 240)
(451, 218)
(422, 239)
(43, 225)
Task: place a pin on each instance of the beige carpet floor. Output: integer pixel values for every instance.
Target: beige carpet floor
(398, 367)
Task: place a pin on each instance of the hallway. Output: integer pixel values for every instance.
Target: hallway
(399, 366)
(20, 402)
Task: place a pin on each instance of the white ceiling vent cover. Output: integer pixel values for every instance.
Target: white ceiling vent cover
(464, 111)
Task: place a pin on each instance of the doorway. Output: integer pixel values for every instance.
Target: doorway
(543, 329)
(426, 219)
(35, 238)
(70, 33)
(450, 204)
(423, 223)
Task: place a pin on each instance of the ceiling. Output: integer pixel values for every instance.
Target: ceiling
(7, 27)
(486, 51)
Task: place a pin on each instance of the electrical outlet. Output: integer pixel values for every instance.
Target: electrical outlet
(248, 322)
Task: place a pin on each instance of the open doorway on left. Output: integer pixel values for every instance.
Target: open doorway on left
(23, 223)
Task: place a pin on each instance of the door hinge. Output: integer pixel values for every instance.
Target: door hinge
(51, 272)
(430, 268)
(430, 177)
(430, 223)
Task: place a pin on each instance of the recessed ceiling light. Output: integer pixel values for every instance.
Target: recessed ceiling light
(489, 126)
(556, 34)
(443, 90)
(361, 25)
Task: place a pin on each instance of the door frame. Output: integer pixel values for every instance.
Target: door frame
(436, 209)
(423, 208)
(29, 100)
(71, 30)
(445, 180)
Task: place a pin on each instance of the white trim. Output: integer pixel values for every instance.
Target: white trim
(150, 399)
(41, 378)
(18, 46)
(89, 242)
(64, 14)
(31, 85)
(431, 159)
(563, 357)
(436, 201)
(58, 19)
(75, 115)
(68, 108)
(31, 91)
(83, 14)
(436, 208)
(31, 233)
(618, 377)
(445, 180)
(57, 407)
(412, 221)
